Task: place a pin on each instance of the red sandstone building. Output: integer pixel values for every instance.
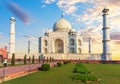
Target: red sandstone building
(3, 53)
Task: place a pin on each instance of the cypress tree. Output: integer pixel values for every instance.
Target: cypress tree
(2, 60)
(39, 59)
(13, 59)
(25, 59)
(33, 59)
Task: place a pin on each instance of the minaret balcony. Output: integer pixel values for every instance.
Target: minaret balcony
(105, 40)
(105, 28)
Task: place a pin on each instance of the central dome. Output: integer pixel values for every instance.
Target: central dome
(62, 25)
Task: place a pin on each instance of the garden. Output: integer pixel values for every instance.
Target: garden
(63, 74)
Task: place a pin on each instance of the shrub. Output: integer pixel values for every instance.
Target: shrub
(79, 64)
(59, 64)
(85, 78)
(45, 67)
(84, 74)
(13, 59)
(81, 70)
(39, 59)
(66, 62)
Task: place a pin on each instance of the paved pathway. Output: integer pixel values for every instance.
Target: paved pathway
(16, 69)
(13, 70)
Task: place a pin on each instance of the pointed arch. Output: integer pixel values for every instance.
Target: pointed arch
(79, 50)
(72, 50)
(59, 46)
(79, 42)
(45, 50)
(45, 42)
(72, 42)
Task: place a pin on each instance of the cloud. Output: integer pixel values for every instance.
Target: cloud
(93, 33)
(68, 7)
(117, 42)
(3, 44)
(49, 1)
(97, 36)
(3, 40)
(91, 16)
(30, 37)
(115, 2)
(91, 11)
(1, 35)
(115, 36)
(43, 6)
(18, 11)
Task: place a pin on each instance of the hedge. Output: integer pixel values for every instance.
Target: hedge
(45, 67)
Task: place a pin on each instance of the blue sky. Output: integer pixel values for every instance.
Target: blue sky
(40, 15)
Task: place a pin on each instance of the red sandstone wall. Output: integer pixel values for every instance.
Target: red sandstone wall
(3, 52)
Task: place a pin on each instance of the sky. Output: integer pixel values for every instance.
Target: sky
(34, 17)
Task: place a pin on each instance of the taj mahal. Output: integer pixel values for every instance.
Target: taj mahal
(64, 43)
(63, 39)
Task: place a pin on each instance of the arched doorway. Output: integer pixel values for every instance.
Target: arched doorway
(71, 50)
(79, 50)
(59, 46)
(79, 42)
(45, 42)
(45, 50)
(72, 42)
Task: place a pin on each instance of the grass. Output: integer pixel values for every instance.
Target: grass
(57, 75)
(108, 73)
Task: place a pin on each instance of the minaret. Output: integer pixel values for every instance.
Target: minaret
(106, 55)
(89, 45)
(12, 37)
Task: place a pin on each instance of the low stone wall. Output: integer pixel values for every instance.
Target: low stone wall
(92, 61)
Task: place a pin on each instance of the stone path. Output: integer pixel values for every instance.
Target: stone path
(17, 69)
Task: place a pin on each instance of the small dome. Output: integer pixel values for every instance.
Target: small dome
(62, 25)
(72, 30)
(12, 18)
(48, 31)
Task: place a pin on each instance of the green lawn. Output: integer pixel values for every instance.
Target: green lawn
(109, 73)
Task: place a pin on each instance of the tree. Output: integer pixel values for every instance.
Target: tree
(39, 59)
(33, 59)
(25, 59)
(13, 59)
(29, 59)
(2, 60)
